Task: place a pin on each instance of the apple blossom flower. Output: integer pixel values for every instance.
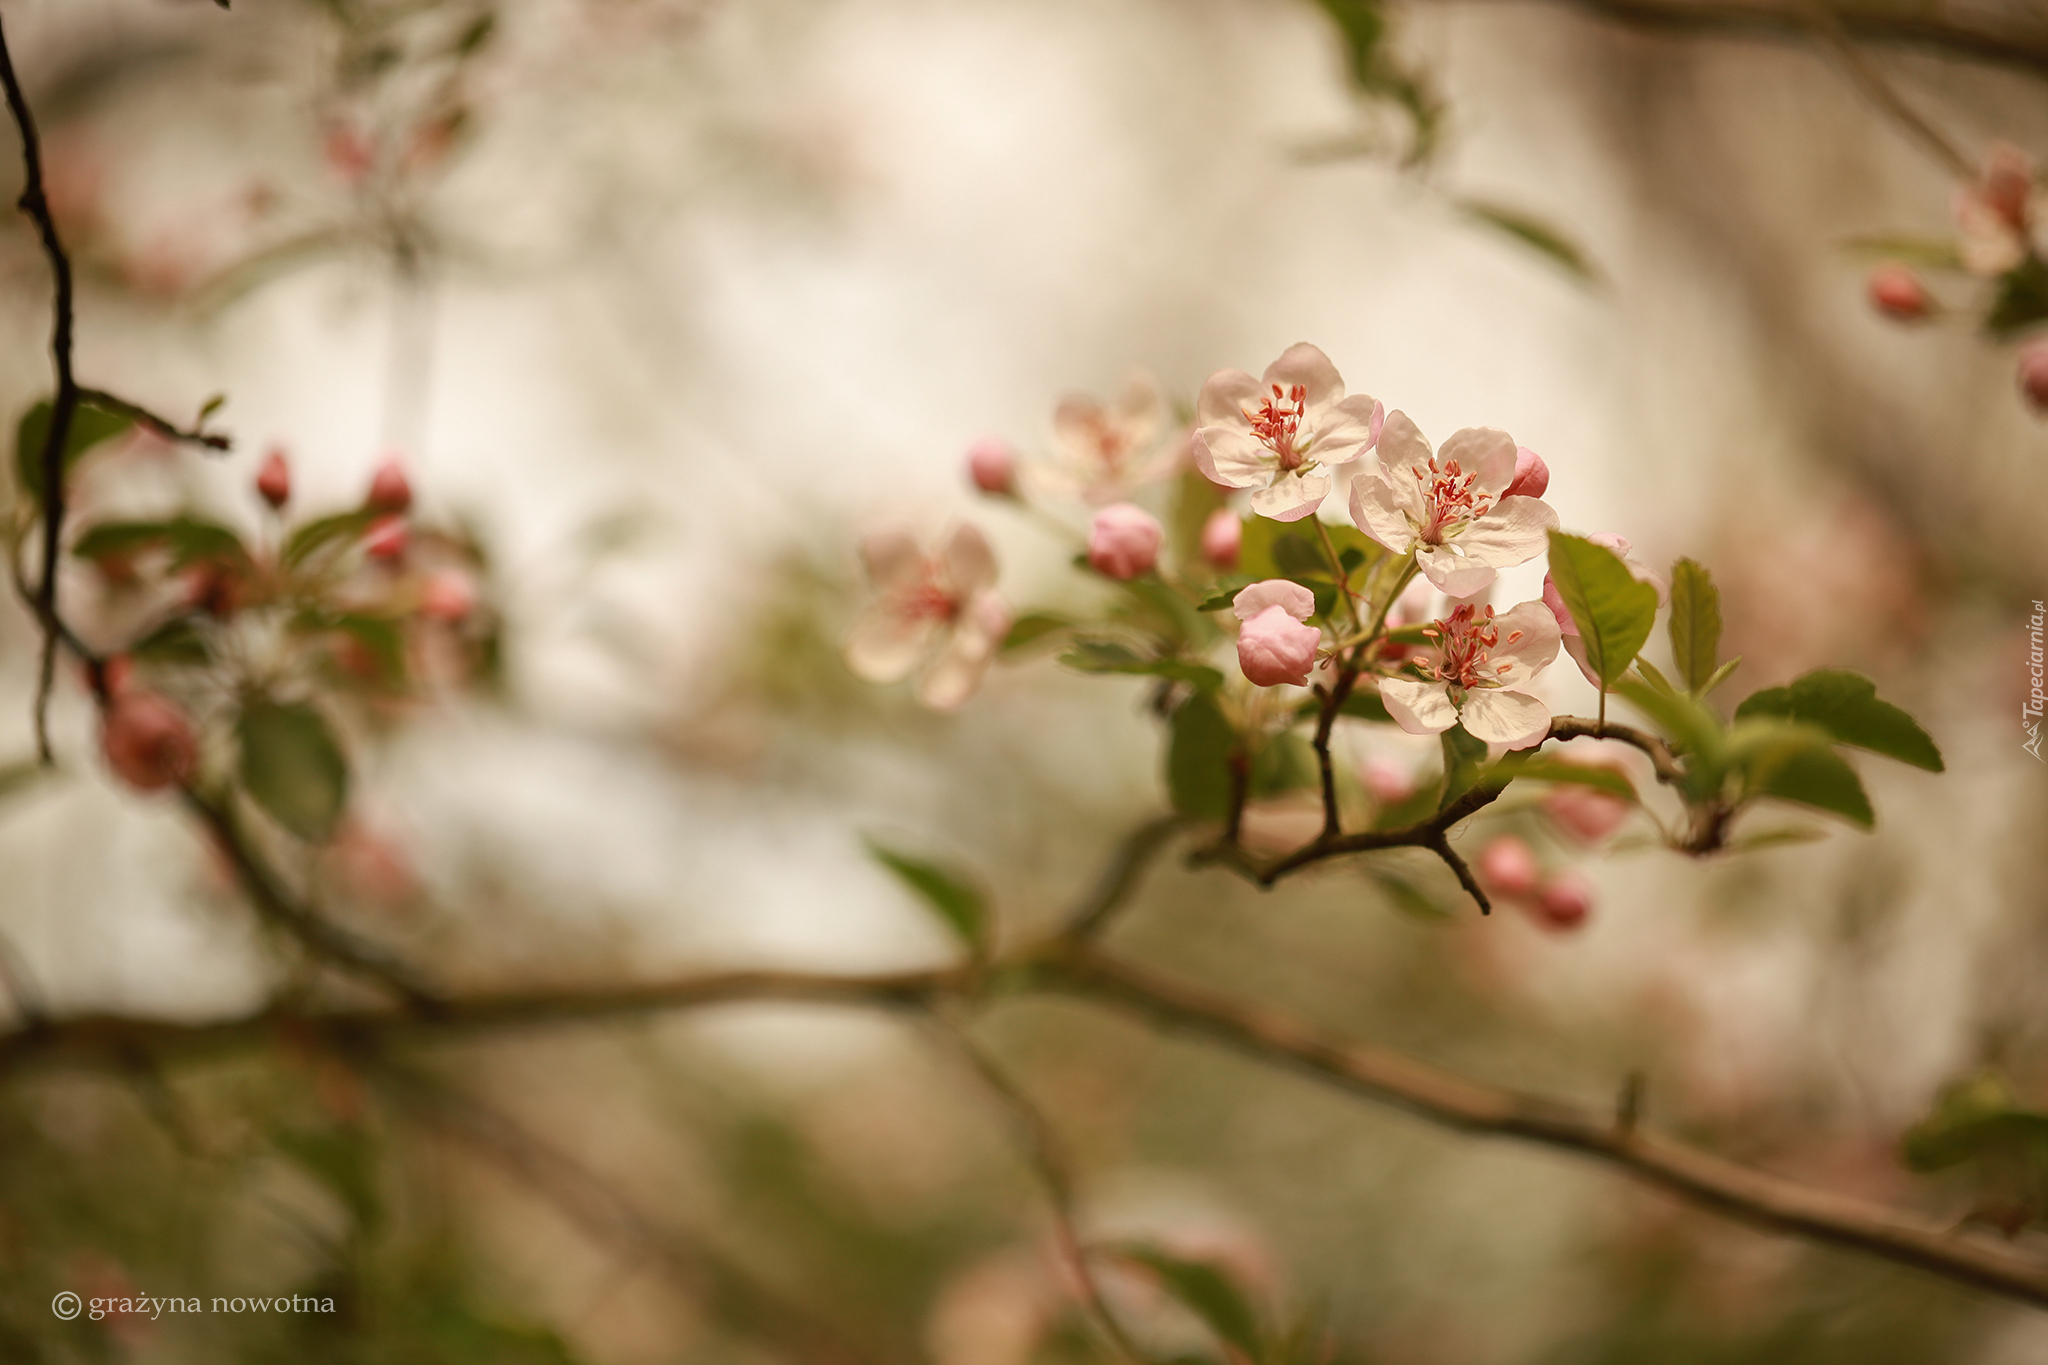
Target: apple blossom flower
(1532, 476)
(1994, 213)
(148, 741)
(1276, 645)
(934, 615)
(1899, 294)
(992, 465)
(274, 479)
(1564, 902)
(2033, 375)
(1574, 643)
(1222, 536)
(1123, 540)
(1279, 434)
(1108, 452)
(1453, 507)
(389, 489)
(1473, 672)
(1508, 867)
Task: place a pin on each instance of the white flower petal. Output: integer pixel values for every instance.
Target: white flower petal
(1420, 708)
(963, 660)
(1455, 576)
(1380, 509)
(1232, 456)
(1346, 430)
(1224, 397)
(969, 563)
(1528, 639)
(1513, 533)
(885, 645)
(1515, 719)
(1294, 495)
(1403, 449)
(891, 558)
(1307, 366)
(1575, 645)
(1487, 452)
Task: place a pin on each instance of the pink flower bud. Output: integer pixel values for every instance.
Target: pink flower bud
(1898, 293)
(1508, 867)
(1276, 645)
(1564, 902)
(448, 596)
(116, 672)
(1222, 536)
(1124, 540)
(1387, 780)
(390, 491)
(148, 742)
(386, 539)
(1586, 814)
(1532, 476)
(993, 467)
(2033, 375)
(274, 479)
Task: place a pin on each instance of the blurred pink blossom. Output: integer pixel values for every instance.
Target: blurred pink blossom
(1123, 541)
(934, 614)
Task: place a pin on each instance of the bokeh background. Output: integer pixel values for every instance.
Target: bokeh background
(669, 300)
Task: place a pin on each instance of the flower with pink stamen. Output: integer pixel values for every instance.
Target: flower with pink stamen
(1473, 671)
(1279, 434)
(1453, 508)
(934, 614)
(1107, 451)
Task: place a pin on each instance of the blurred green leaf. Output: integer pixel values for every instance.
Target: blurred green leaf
(342, 1161)
(1198, 759)
(1362, 24)
(1693, 732)
(2022, 298)
(1545, 768)
(1206, 1290)
(189, 539)
(1533, 232)
(1721, 675)
(1846, 705)
(1974, 1118)
(1100, 656)
(1933, 253)
(319, 534)
(292, 767)
(177, 641)
(1695, 624)
(1612, 610)
(1032, 628)
(949, 894)
(89, 427)
(1286, 763)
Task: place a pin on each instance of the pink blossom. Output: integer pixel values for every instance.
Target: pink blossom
(1508, 867)
(992, 465)
(1532, 476)
(1574, 643)
(1564, 902)
(387, 538)
(390, 491)
(1222, 535)
(1279, 434)
(274, 479)
(1109, 451)
(1473, 673)
(1275, 644)
(148, 741)
(1899, 294)
(1994, 215)
(1587, 814)
(2033, 375)
(1453, 507)
(1123, 541)
(934, 614)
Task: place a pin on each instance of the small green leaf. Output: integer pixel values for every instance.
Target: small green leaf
(1846, 705)
(1364, 704)
(292, 767)
(1972, 1118)
(1533, 232)
(1032, 628)
(211, 406)
(1206, 1290)
(1648, 672)
(1933, 253)
(1225, 593)
(177, 641)
(1613, 611)
(317, 535)
(947, 893)
(1464, 760)
(89, 427)
(1545, 768)
(1693, 732)
(1797, 763)
(2022, 298)
(1720, 675)
(340, 1160)
(1101, 656)
(1695, 624)
(1198, 758)
(189, 539)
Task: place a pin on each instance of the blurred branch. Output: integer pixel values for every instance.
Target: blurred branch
(1827, 25)
(162, 426)
(1120, 879)
(1934, 30)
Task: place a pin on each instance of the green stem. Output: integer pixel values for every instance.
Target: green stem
(1337, 568)
(1393, 595)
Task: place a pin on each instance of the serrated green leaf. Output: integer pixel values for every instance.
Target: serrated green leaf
(90, 426)
(1846, 706)
(1032, 628)
(1612, 610)
(1533, 232)
(1464, 761)
(1198, 758)
(1794, 762)
(1695, 624)
(1206, 1290)
(948, 894)
(293, 768)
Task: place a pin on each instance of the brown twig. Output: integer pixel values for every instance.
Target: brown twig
(162, 426)
(1120, 878)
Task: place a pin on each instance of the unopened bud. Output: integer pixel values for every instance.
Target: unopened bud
(1532, 476)
(274, 479)
(993, 467)
(148, 741)
(1898, 293)
(1508, 867)
(1564, 902)
(1222, 538)
(1123, 541)
(390, 491)
(448, 596)
(2033, 375)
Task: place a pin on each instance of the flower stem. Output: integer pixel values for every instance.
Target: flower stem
(1337, 568)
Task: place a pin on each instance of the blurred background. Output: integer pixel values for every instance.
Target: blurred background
(668, 301)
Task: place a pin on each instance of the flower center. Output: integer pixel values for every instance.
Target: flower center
(928, 598)
(1453, 504)
(1277, 423)
(1465, 641)
(1111, 442)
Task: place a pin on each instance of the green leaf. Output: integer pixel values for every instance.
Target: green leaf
(2022, 298)
(1933, 253)
(1846, 705)
(1720, 675)
(1198, 759)
(1612, 610)
(1533, 232)
(189, 539)
(342, 1161)
(1647, 671)
(947, 893)
(1287, 763)
(1364, 704)
(317, 535)
(1973, 1118)
(1797, 763)
(1206, 1290)
(89, 427)
(1545, 768)
(211, 406)
(177, 642)
(1031, 628)
(1693, 731)
(1102, 656)
(1407, 897)
(1695, 624)
(292, 767)
(1464, 759)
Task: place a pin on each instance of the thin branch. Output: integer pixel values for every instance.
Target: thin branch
(1827, 25)
(162, 426)
(1120, 879)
